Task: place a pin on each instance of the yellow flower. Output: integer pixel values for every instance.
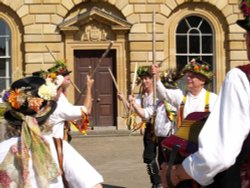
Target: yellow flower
(52, 75)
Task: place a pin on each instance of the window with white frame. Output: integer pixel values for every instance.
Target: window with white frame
(194, 39)
(5, 55)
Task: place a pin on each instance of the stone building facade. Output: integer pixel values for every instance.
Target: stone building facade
(142, 32)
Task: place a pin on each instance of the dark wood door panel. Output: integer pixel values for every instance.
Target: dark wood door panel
(103, 111)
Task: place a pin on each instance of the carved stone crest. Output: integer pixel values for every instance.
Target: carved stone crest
(95, 32)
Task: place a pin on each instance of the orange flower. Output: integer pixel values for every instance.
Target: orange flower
(196, 68)
(52, 75)
(13, 99)
(35, 103)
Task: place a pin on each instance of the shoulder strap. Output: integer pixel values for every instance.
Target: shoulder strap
(58, 143)
(245, 69)
(207, 101)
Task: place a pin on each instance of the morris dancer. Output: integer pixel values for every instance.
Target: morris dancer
(65, 111)
(28, 158)
(196, 98)
(143, 106)
(224, 142)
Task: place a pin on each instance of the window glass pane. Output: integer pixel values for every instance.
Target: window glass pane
(5, 60)
(207, 44)
(2, 46)
(205, 27)
(194, 21)
(182, 44)
(2, 74)
(2, 67)
(194, 44)
(4, 38)
(181, 62)
(182, 27)
(3, 28)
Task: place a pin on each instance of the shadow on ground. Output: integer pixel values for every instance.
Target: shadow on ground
(111, 186)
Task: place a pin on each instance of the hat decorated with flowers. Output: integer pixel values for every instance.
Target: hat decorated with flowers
(32, 96)
(245, 8)
(199, 67)
(144, 71)
(60, 68)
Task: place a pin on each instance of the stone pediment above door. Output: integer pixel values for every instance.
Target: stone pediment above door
(94, 25)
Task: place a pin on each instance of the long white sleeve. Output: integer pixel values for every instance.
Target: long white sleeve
(223, 134)
(173, 96)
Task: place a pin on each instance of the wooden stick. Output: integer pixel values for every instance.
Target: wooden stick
(134, 79)
(153, 58)
(75, 86)
(51, 53)
(113, 78)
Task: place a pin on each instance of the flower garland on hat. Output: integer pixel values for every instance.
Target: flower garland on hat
(199, 67)
(142, 71)
(18, 97)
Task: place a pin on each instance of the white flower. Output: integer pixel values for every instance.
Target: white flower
(47, 91)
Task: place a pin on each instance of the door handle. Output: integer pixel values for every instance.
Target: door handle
(98, 99)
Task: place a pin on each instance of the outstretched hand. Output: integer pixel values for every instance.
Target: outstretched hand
(90, 81)
(120, 96)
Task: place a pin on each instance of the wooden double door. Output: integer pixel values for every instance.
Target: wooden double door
(104, 93)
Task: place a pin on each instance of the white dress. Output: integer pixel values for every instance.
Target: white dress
(65, 111)
(78, 172)
(222, 136)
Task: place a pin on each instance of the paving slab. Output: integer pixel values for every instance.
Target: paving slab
(117, 155)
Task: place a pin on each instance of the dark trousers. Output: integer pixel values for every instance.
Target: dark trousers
(149, 153)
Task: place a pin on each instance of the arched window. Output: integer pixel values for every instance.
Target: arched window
(194, 39)
(5, 55)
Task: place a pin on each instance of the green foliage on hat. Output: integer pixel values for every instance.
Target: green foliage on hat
(143, 71)
(199, 67)
(59, 67)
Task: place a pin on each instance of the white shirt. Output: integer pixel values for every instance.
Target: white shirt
(192, 104)
(147, 104)
(163, 126)
(223, 134)
(78, 172)
(65, 111)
